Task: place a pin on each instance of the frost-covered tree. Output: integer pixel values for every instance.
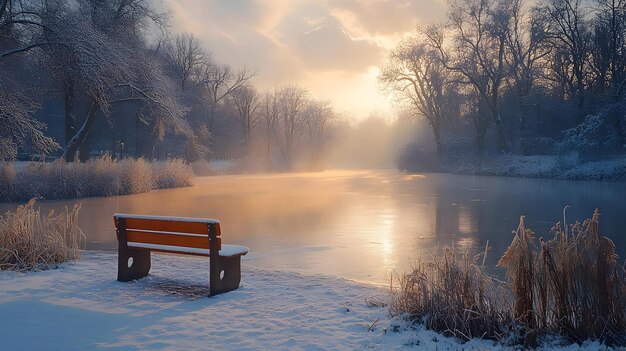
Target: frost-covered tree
(17, 125)
(567, 27)
(480, 30)
(112, 65)
(19, 98)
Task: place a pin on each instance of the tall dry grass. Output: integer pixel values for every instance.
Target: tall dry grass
(30, 241)
(452, 295)
(571, 285)
(98, 177)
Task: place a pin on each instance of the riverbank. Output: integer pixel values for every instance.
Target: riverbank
(104, 176)
(81, 306)
(562, 167)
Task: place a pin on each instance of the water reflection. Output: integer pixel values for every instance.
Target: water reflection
(362, 224)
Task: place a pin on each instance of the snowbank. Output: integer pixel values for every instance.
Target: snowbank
(567, 167)
(82, 307)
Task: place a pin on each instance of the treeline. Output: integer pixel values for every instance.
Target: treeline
(508, 76)
(84, 77)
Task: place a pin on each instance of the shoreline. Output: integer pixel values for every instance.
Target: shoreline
(546, 167)
(81, 306)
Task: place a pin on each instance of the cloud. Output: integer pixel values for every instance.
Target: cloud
(325, 45)
(387, 17)
(322, 44)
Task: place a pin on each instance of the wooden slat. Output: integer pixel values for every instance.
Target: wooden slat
(166, 226)
(171, 251)
(170, 239)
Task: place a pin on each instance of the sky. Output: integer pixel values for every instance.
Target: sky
(333, 48)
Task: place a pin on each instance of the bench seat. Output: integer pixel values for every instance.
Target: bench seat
(225, 251)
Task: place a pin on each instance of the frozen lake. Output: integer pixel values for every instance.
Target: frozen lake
(361, 225)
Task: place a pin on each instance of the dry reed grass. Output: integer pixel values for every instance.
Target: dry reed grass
(29, 241)
(571, 285)
(98, 177)
(452, 295)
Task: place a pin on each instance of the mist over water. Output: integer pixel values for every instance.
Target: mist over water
(363, 224)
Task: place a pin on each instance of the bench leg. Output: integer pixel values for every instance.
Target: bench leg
(227, 274)
(140, 265)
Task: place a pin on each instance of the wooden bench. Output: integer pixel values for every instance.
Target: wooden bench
(139, 235)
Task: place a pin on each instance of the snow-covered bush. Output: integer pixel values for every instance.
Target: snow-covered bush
(172, 174)
(594, 137)
(536, 146)
(136, 175)
(414, 158)
(458, 153)
(32, 242)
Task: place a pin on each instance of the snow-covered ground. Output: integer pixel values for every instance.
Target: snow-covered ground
(81, 306)
(568, 167)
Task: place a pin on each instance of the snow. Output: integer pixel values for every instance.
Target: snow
(81, 306)
(226, 250)
(568, 167)
(167, 218)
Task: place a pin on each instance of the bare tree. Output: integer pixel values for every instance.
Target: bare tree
(111, 71)
(186, 55)
(19, 100)
(415, 75)
(480, 30)
(220, 81)
(247, 101)
(27, 19)
(567, 27)
(527, 48)
(609, 44)
(270, 109)
(317, 117)
(17, 124)
(293, 100)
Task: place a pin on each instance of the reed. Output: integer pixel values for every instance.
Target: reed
(30, 241)
(571, 285)
(452, 295)
(103, 176)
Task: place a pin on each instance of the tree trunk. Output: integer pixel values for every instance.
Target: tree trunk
(438, 145)
(502, 144)
(84, 149)
(77, 140)
(69, 113)
(497, 120)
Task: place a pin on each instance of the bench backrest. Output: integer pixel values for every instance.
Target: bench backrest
(169, 231)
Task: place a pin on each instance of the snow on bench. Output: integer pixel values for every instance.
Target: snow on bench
(139, 235)
(226, 250)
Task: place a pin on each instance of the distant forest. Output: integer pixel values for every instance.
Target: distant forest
(84, 77)
(80, 78)
(514, 76)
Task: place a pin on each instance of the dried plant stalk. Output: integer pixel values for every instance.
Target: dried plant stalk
(29, 241)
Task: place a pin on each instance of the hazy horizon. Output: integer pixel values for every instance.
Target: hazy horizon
(334, 48)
